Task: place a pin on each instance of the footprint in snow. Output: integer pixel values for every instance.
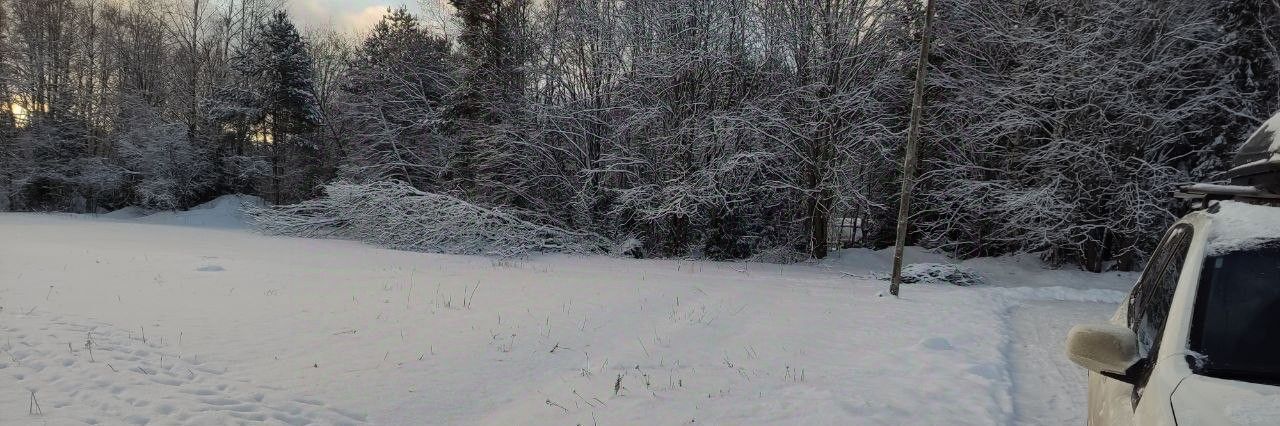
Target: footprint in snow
(179, 391)
(936, 343)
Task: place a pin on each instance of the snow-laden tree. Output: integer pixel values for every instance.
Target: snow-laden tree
(164, 170)
(672, 167)
(738, 126)
(835, 120)
(1057, 125)
(393, 104)
(719, 128)
(73, 68)
(580, 66)
(51, 169)
(8, 123)
(396, 215)
(273, 100)
(489, 109)
(1249, 65)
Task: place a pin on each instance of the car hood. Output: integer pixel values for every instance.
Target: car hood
(1201, 400)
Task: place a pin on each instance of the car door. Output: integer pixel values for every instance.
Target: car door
(1111, 401)
(1157, 377)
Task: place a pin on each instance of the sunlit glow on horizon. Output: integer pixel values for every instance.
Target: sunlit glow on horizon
(20, 114)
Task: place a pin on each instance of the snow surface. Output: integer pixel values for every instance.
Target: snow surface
(240, 326)
(1259, 410)
(1042, 378)
(127, 213)
(1241, 226)
(226, 212)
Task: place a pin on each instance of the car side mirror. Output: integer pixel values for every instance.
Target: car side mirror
(1107, 349)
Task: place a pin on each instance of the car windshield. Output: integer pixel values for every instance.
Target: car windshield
(1237, 320)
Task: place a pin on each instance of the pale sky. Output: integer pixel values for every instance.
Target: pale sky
(351, 15)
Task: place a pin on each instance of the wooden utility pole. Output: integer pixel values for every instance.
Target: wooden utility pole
(910, 159)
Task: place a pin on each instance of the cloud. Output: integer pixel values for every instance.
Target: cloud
(340, 15)
(366, 18)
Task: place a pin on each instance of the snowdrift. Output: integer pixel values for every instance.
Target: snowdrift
(127, 213)
(225, 212)
(398, 216)
(862, 260)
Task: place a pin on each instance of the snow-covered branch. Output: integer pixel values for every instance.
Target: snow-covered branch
(394, 214)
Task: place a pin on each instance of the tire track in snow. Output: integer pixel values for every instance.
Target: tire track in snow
(1047, 388)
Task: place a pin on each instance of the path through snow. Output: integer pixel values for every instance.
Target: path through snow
(1048, 389)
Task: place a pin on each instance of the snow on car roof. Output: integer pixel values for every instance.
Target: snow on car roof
(1241, 226)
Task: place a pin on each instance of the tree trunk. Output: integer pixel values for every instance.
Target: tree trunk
(277, 141)
(819, 216)
(913, 147)
(679, 235)
(1091, 255)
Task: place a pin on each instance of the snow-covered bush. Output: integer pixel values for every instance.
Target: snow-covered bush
(396, 215)
(167, 170)
(940, 273)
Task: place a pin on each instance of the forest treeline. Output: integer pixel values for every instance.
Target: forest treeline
(766, 129)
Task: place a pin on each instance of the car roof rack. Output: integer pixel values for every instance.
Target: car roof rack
(1254, 177)
(1205, 193)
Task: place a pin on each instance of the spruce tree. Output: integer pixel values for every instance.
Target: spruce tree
(276, 94)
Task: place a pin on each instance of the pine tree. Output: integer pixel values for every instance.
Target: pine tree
(276, 96)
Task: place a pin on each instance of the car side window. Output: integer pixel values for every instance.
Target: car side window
(1146, 281)
(1152, 297)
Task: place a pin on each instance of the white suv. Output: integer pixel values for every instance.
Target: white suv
(1198, 342)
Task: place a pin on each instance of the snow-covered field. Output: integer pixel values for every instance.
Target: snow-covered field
(136, 320)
